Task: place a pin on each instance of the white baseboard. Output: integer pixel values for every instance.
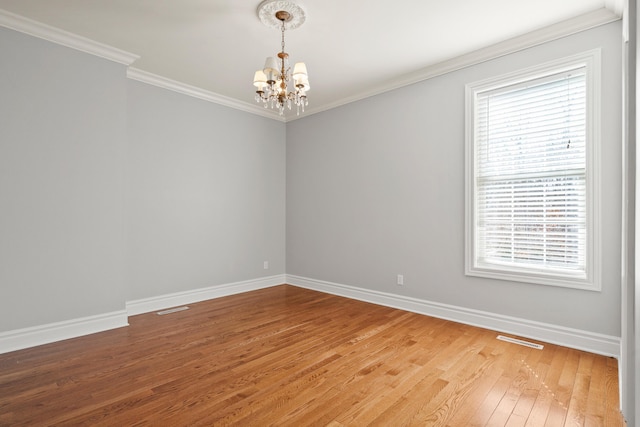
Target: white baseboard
(161, 302)
(574, 338)
(583, 340)
(19, 339)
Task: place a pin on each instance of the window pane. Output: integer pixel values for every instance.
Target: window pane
(531, 174)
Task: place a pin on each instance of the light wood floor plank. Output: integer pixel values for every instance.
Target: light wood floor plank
(288, 356)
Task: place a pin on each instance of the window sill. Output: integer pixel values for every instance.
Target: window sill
(578, 281)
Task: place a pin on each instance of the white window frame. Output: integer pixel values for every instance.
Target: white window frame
(590, 280)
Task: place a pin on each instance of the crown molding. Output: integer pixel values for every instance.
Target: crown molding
(64, 38)
(553, 32)
(196, 92)
(615, 6)
(612, 12)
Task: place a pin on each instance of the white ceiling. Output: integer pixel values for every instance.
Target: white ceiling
(352, 48)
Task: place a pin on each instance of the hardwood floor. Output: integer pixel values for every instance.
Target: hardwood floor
(295, 357)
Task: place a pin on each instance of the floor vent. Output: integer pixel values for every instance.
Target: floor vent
(172, 310)
(521, 342)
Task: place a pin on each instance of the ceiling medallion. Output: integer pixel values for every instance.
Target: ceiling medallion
(268, 9)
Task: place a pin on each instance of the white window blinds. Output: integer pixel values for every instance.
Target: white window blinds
(530, 174)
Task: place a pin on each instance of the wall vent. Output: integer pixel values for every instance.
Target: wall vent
(520, 342)
(172, 310)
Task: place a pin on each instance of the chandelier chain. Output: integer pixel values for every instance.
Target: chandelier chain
(283, 36)
(284, 55)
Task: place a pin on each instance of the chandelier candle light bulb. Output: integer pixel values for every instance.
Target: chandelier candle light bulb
(272, 82)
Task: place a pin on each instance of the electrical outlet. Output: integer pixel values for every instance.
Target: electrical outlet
(266, 265)
(400, 280)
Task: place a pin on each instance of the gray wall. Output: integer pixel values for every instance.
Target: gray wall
(205, 194)
(376, 188)
(62, 142)
(112, 190)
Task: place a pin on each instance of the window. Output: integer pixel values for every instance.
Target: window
(532, 177)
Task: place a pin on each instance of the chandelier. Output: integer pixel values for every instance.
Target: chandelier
(278, 87)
